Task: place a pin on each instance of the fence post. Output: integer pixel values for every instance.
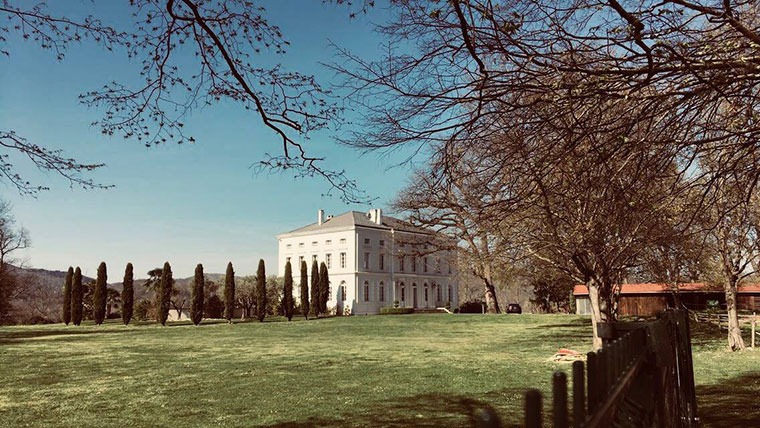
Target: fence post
(533, 409)
(559, 399)
(593, 381)
(579, 396)
(754, 321)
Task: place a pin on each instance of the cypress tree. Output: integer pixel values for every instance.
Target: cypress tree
(324, 288)
(196, 310)
(67, 295)
(315, 288)
(77, 294)
(99, 295)
(287, 292)
(304, 290)
(261, 292)
(127, 295)
(229, 293)
(165, 294)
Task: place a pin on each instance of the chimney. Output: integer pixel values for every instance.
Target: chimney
(378, 216)
(320, 217)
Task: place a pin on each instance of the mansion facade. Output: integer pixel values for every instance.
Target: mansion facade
(374, 261)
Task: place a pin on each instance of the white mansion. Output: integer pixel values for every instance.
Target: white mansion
(374, 260)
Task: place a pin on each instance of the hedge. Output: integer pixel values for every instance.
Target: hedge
(396, 311)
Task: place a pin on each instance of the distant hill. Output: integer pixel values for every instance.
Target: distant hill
(48, 278)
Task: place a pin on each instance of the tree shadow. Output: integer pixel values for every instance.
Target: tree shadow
(7, 337)
(730, 403)
(424, 410)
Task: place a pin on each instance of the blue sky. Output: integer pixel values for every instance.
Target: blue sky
(185, 204)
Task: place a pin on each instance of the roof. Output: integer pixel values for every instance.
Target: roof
(358, 219)
(651, 288)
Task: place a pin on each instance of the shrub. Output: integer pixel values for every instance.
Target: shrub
(165, 294)
(315, 288)
(396, 311)
(261, 292)
(304, 290)
(144, 310)
(214, 307)
(77, 294)
(229, 293)
(287, 292)
(196, 309)
(471, 307)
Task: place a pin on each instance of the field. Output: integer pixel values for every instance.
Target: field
(412, 370)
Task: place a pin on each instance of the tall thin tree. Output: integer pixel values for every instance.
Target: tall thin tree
(165, 294)
(77, 294)
(127, 295)
(261, 292)
(67, 295)
(315, 307)
(324, 288)
(229, 293)
(100, 295)
(304, 285)
(196, 310)
(288, 307)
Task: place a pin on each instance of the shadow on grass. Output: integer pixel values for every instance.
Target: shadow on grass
(731, 403)
(426, 410)
(17, 336)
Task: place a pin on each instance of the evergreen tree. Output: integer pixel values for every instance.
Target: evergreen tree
(67, 295)
(261, 292)
(229, 293)
(100, 294)
(127, 295)
(165, 294)
(324, 288)
(77, 294)
(304, 290)
(287, 293)
(315, 288)
(196, 310)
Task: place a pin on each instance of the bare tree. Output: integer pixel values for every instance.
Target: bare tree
(12, 240)
(224, 39)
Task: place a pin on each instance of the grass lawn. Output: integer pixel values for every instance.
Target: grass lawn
(411, 370)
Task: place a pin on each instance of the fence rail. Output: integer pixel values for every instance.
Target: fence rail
(642, 377)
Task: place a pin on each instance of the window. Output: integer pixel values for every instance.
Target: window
(381, 292)
(342, 291)
(328, 261)
(382, 242)
(437, 265)
(450, 299)
(424, 264)
(366, 260)
(328, 242)
(366, 241)
(438, 288)
(288, 246)
(342, 240)
(366, 291)
(314, 258)
(414, 263)
(401, 264)
(314, 243)
(403, 296)
(381, 262)
(300, 245)
(343, 260)
(426, 293)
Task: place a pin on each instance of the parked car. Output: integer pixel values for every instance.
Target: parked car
(514, 308)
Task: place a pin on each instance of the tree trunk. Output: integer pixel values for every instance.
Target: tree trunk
(492, 304)
(597, 315)
(735, 341)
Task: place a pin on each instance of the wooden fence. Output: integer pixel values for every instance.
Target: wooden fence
(642, 377)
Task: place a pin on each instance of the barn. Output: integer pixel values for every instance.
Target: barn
(650, 298)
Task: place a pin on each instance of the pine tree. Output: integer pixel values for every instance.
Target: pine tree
(315, 288)
(67, 295)
(165, 294)
(287, 292)
(229, 293)
(261, 292)
(100, 295)
(324, 288)
(304, 290)
(196, 310)
(77, 294)
(127, 295)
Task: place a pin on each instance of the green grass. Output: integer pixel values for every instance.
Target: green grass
(411, 370)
